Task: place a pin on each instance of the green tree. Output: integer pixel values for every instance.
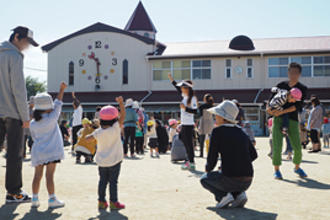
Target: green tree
(34, 86)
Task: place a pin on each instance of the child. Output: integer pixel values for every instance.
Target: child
(83, 147)
(303, 135)
(326, 132)
(65, 132)
(249, 131)
(109, 154)
(237, 153)
(152, 135)
(47, 148)
(281, 97)
(172, 131)
(162, 137)
(270, 130)
(139, 139)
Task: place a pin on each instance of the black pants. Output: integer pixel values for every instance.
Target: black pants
(109, 175)
(139, 144)
(201, 144)
(75, 130)
(14, 131)
(220, 185)
(129, 136)
(186, 136)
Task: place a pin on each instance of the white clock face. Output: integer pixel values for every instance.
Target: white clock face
(238, 69)
(97, 61)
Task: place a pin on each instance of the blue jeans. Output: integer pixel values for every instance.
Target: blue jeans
(285, 121)
(288, 145)
(220, 185)
(109, 175)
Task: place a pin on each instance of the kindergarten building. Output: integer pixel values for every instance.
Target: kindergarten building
(101, 62)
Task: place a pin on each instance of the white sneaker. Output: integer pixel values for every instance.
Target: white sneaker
(55, 203)
(35, 203)
(240, 201)
(225, 201)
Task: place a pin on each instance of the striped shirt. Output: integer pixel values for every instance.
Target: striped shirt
(279, 99)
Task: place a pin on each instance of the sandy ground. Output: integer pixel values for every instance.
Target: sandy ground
(158, 189)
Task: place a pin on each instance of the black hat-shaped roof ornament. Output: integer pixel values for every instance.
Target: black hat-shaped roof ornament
(241, 42)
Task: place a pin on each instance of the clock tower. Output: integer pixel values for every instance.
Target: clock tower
(140, 23)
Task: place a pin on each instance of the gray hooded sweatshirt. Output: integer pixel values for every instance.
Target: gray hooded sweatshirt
(13, 98)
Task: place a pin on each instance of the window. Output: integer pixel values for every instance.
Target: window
(321, 66)
(125, 71)
(146, 34)
(71, 73)
(278, 67)
(182, 69)
(161, 70)
(201, 69)
(249, 69)
(228, 69)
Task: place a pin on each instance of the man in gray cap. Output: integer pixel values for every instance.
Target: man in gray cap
(14, 113)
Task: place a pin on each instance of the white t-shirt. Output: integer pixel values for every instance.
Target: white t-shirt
(186, 117)
(77, 116)
(109, 146)
(152, 133)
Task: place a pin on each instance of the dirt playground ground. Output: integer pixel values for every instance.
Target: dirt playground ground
(157, 189)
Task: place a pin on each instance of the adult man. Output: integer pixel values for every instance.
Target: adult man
(292, 109)
(14, 113)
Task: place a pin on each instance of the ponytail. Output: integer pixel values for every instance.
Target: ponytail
(37, 115)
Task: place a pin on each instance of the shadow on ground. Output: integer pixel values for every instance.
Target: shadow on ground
(7, 211)
(243, 213)
(309, 183)
(115, 215)
(35, 214)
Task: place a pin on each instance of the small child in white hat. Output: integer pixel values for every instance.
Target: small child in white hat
(237, 153)
(47, 149)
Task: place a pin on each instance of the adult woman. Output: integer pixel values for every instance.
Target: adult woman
(315, 123)
(188, 108)
(206, 121)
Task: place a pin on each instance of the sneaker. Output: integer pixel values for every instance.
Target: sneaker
(300, 172)
(116, 205)
(55, 203)
(192, 166)
(278, 175)
(185, 166)
(157, 155)
(240, 201)
(103, 205)
(35, 203)
(18, 198)
(225, 201)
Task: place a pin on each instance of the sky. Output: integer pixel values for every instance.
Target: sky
(175, 20)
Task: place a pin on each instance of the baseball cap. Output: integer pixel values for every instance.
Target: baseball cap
(25, 32)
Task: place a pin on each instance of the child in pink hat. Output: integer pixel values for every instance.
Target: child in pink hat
(109, 154)
(282, 97)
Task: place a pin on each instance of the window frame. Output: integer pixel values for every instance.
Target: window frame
(190, 68)
(249, 67)
(228, 68)
(71, 73)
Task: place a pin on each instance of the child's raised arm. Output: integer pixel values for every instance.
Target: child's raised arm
(120, 101)
(63, 86)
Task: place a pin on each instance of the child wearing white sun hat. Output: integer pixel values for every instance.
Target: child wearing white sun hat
(237, 153)
(47, 149)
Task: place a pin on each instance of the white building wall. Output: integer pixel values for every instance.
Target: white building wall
(120, 47)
